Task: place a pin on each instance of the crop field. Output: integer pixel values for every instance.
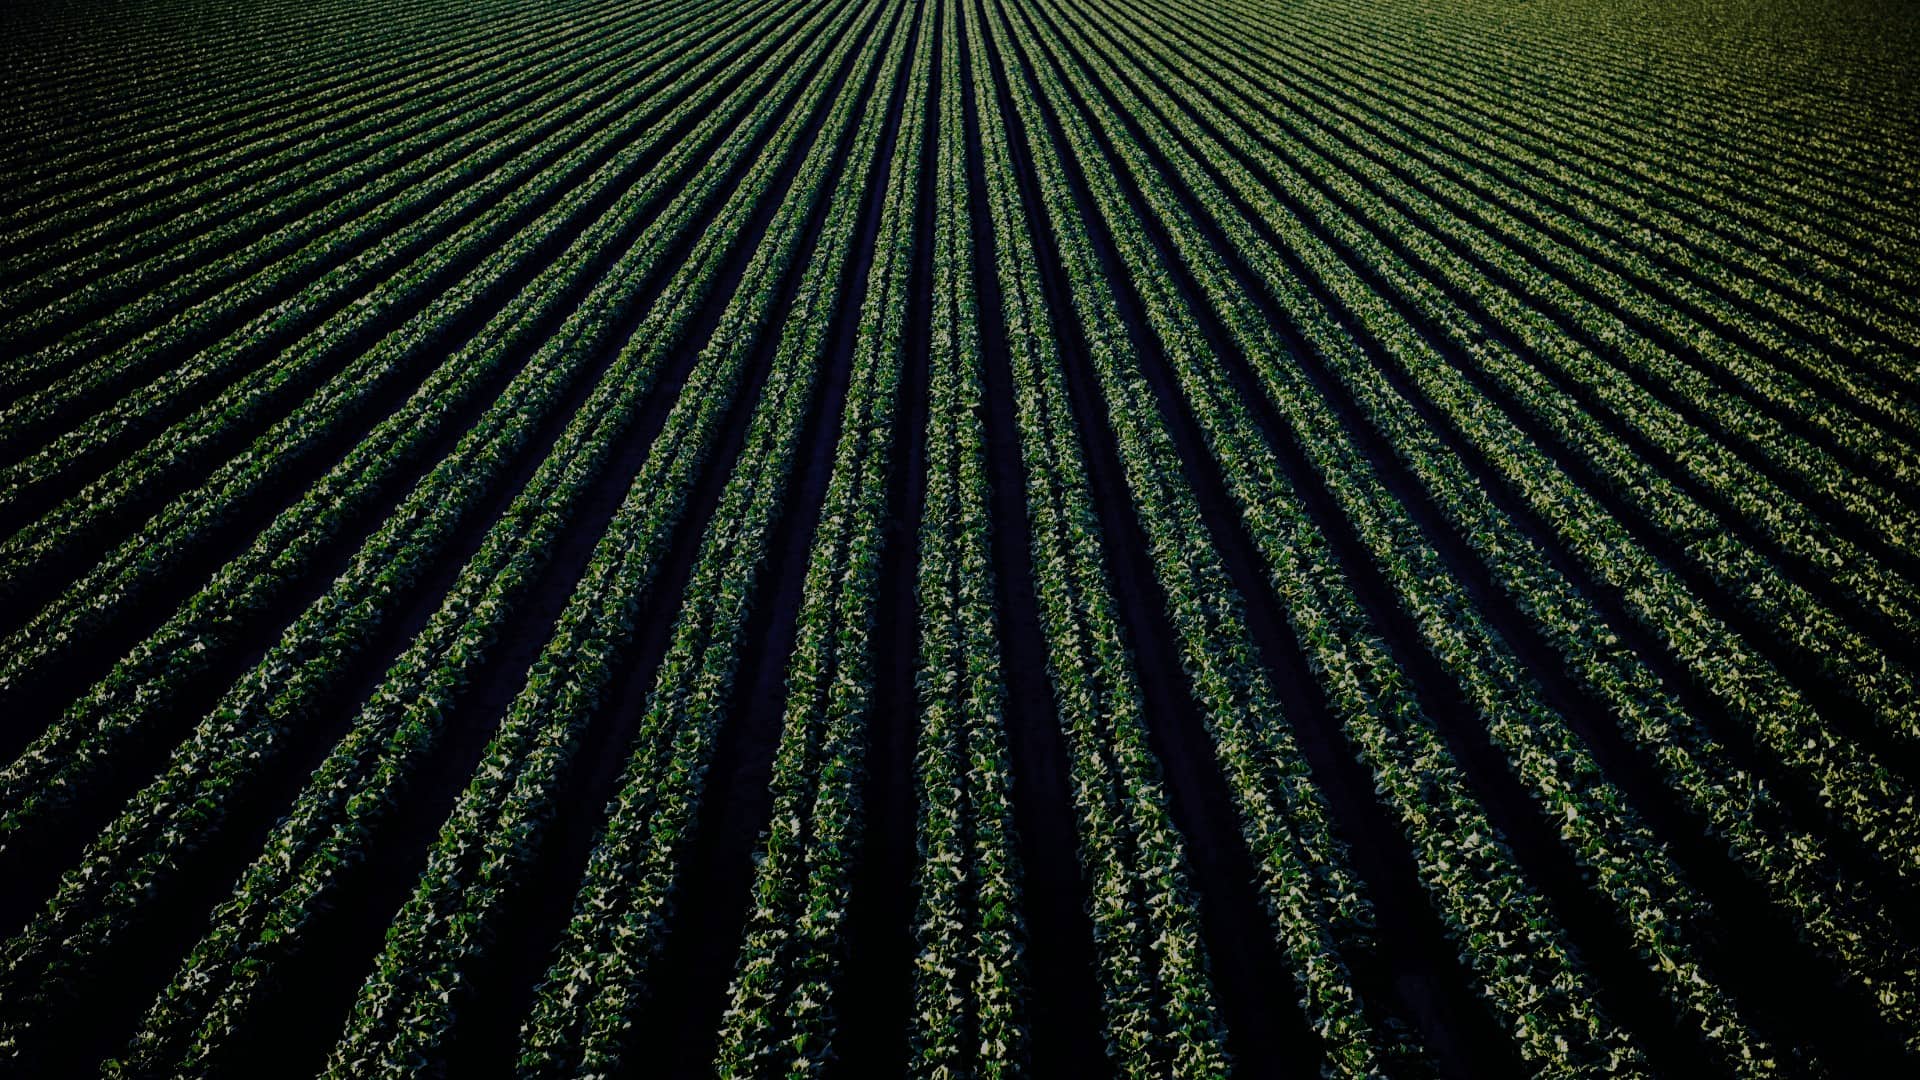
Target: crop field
(960, 538)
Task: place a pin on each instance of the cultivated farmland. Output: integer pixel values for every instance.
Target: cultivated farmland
(960, 538)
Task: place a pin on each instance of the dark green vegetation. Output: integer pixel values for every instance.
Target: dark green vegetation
(960, 537)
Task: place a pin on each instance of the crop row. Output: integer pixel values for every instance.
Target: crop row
(1727, 666)
(196, 124)
(675, 146)
(1798, 868)
(958, 538)
(267, 704)
(1588, 126)
(231, 315)
(104, 295)
(486, 848)
(1795, 615)
(780, 1015)
(1627, 863)
(185, 198)
(343, 808)
(969, 984)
